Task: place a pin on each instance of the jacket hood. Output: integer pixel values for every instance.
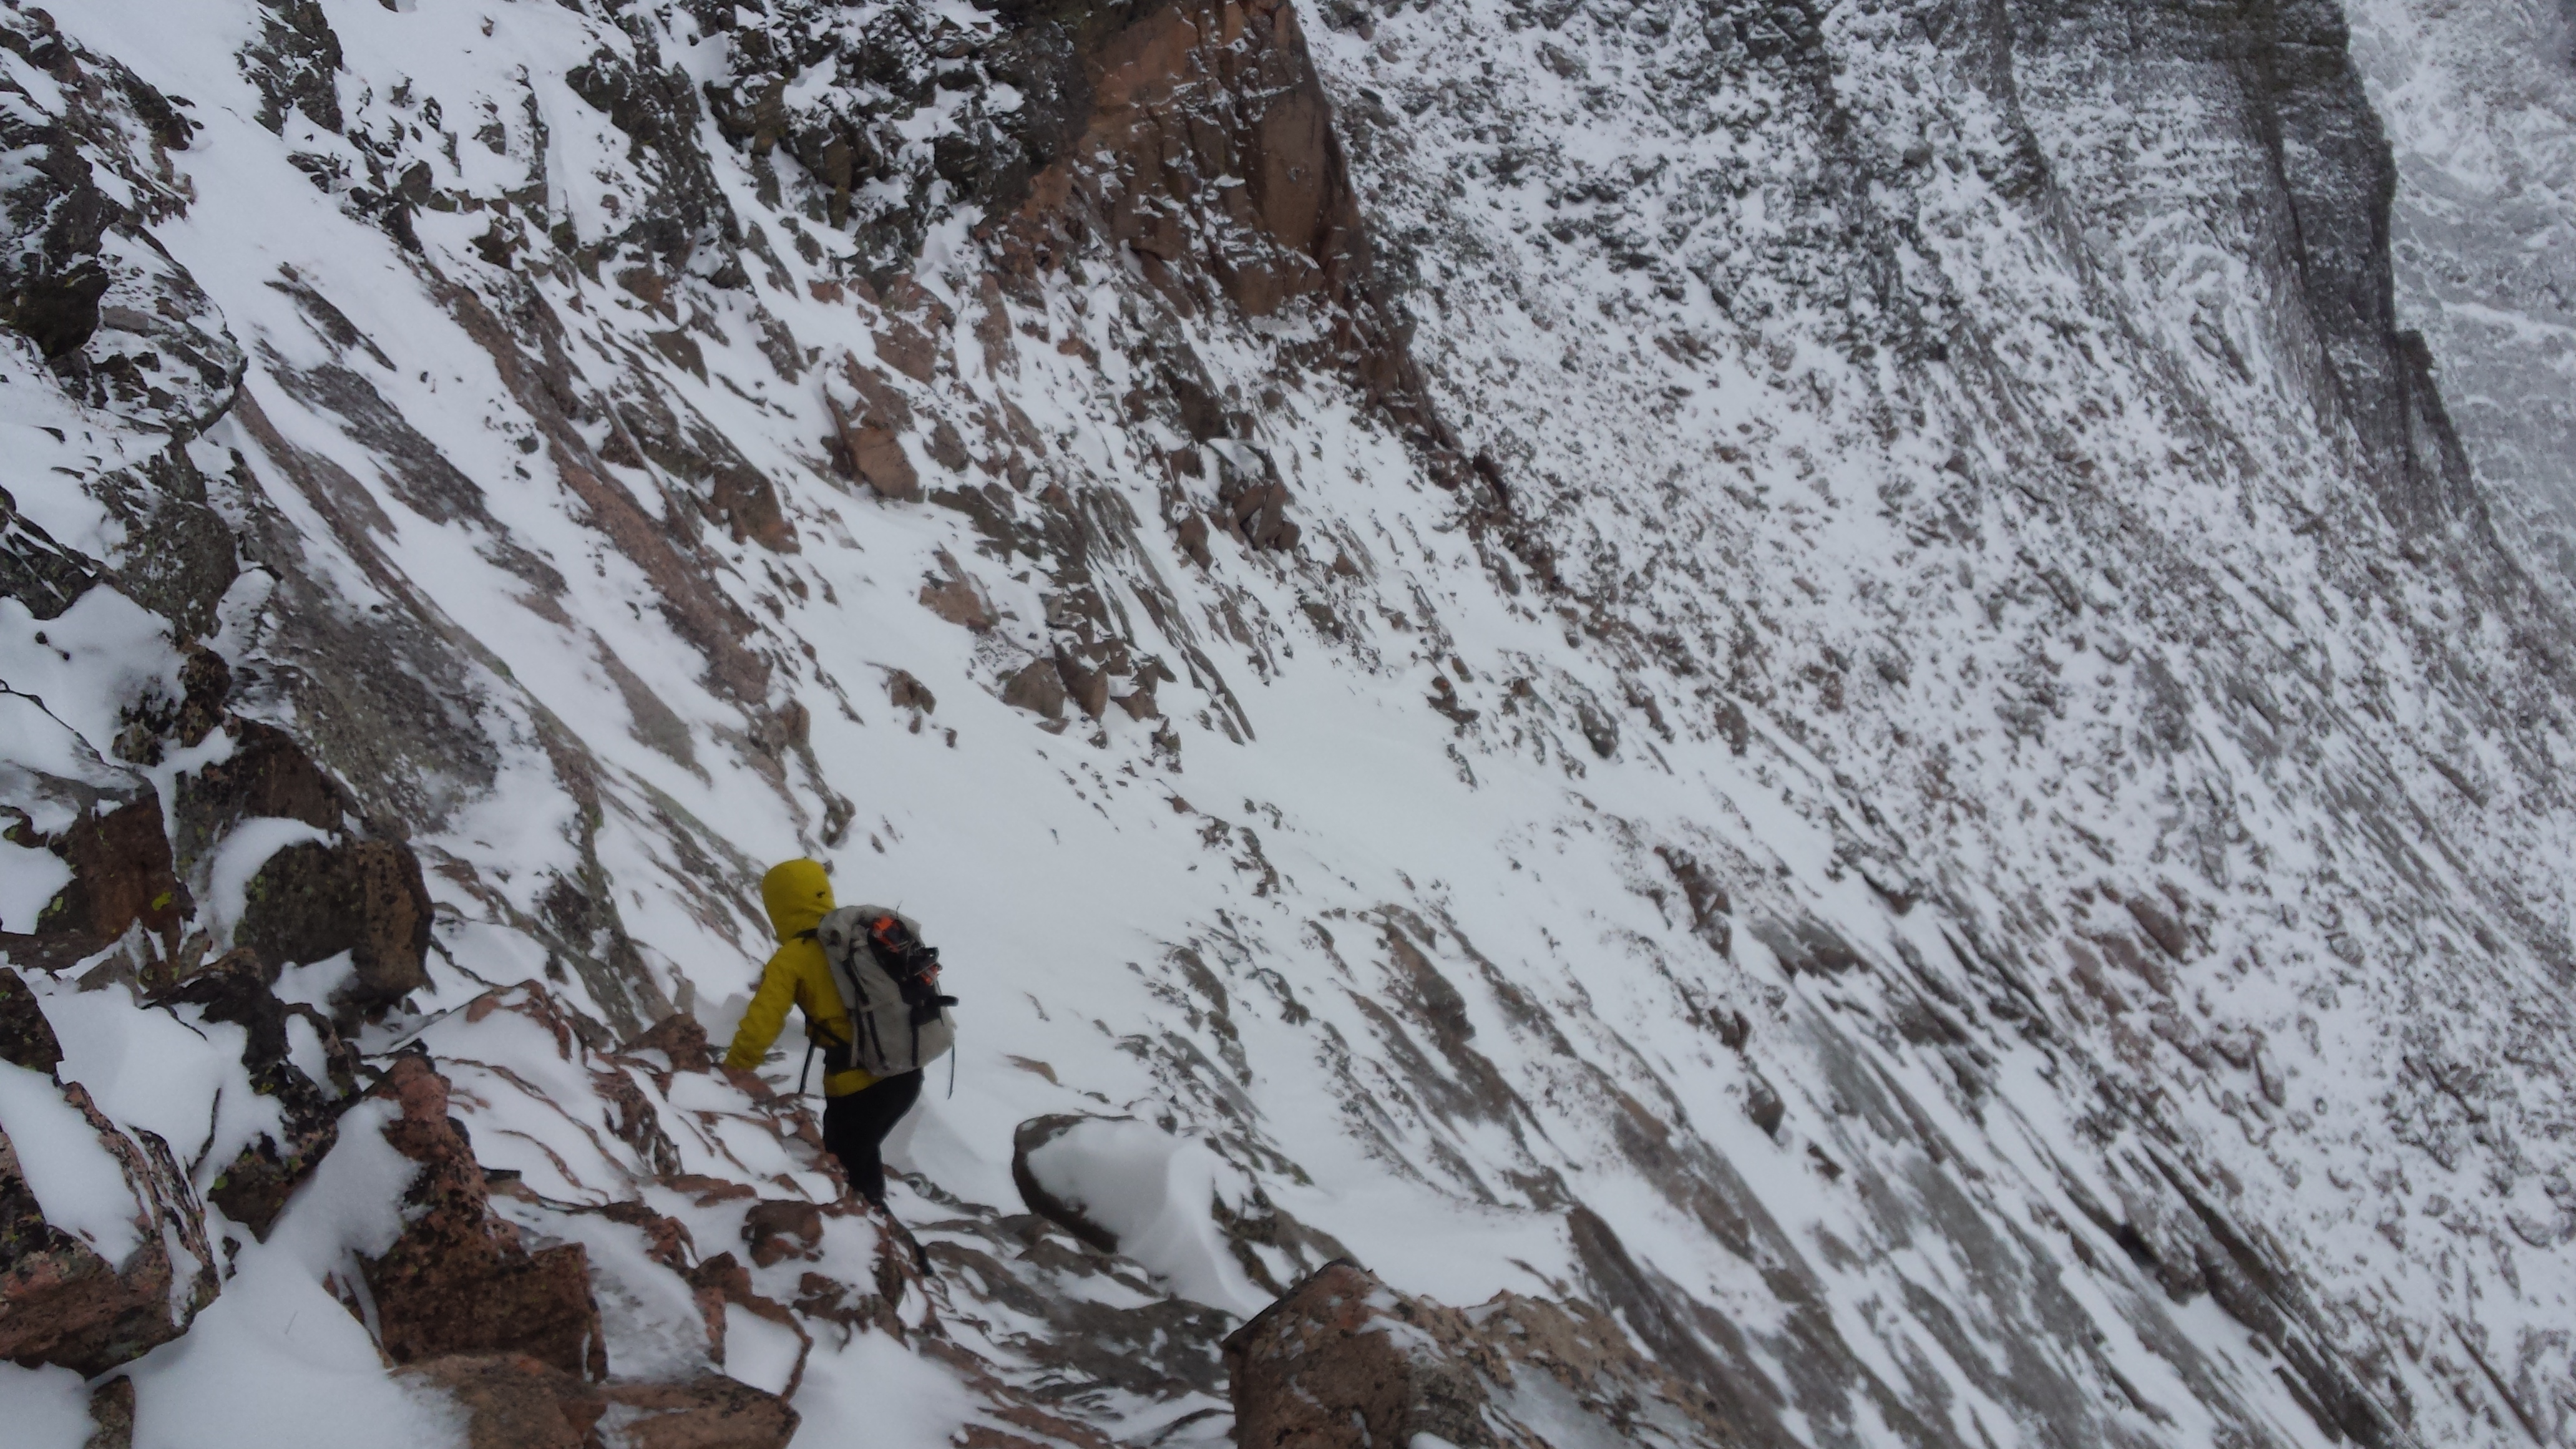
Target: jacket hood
(798, 896)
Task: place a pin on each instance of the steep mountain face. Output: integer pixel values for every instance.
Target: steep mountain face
(1812, 696)
(2481, 104)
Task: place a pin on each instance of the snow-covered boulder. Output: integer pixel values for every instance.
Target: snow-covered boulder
(458, 1280)
(102, 1241)
(1343, 1362)
(1167, 1201)
(514, 1401)
(82, 856)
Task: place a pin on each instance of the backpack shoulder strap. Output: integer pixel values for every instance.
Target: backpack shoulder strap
(842, 935)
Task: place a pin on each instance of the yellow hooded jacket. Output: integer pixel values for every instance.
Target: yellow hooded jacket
(798, 896)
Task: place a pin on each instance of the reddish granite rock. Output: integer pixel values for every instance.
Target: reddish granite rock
(709, 1413)
(61, 1302)
(721, 1281)
(1201, 89)
(1342, 1361)
(458, 1281)
(1037, 688)
(779, 1230)
(1319, 1369)
(679, 1037)
(267, 774)
(235, 988)
(111, 1415)
(514, 1401)
(121, 877)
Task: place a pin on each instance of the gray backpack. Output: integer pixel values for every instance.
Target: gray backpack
(898, 1021)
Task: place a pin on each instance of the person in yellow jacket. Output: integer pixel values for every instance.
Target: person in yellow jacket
(858, 1109)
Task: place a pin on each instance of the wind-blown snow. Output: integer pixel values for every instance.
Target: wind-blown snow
(47, 1405)
(81, 1189)
(89, 663)
(29, 881)
(1971, 666)
(237, 861)
(180, 1079)
(1153, 1190)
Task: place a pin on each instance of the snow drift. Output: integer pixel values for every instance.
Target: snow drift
(1819, 682)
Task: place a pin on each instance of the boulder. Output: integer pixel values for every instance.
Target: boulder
(34, 569)
(267, 774)
(633, 1118)
(908, 349)
(295, 64)
(206, 684)
(778, 1229)
(882, 463)
(315, 899)
(744, 500)
(513, 1400)
(63, 1299)
(1762, 1103)
(870, 432)
(1193, 538)
(708, 1413)
(1342, 1361)
(1321, 1369)
(1125, 1186)
(1087, 687)
(680, 1037)
(903, 691)
(2169, 934)
(957, 600)
(723, 1281)
(1033, 1134)
(109, 836)
(111, 1415)
(121, 874)
(1037, 688)
(458, 1281)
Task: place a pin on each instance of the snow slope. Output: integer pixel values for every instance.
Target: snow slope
(1957, 819)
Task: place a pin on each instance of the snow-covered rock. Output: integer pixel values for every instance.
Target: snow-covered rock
(1342, 1359)
(1818, 683)
(106, 1246)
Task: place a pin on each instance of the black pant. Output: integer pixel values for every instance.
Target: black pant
(856, 1125)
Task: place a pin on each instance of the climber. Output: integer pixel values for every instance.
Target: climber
(858, 1109)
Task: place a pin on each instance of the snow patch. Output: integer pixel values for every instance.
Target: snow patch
(29, 881)
(180, 1079)
(237, 862)
(1155, 1191)
(88, 662)
(313, 983)
(47, 1406)
(758, 1352)
(278, 1363)
(81, 1189)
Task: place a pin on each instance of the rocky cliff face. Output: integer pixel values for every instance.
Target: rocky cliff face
(1813, 697)
(2482, 110)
